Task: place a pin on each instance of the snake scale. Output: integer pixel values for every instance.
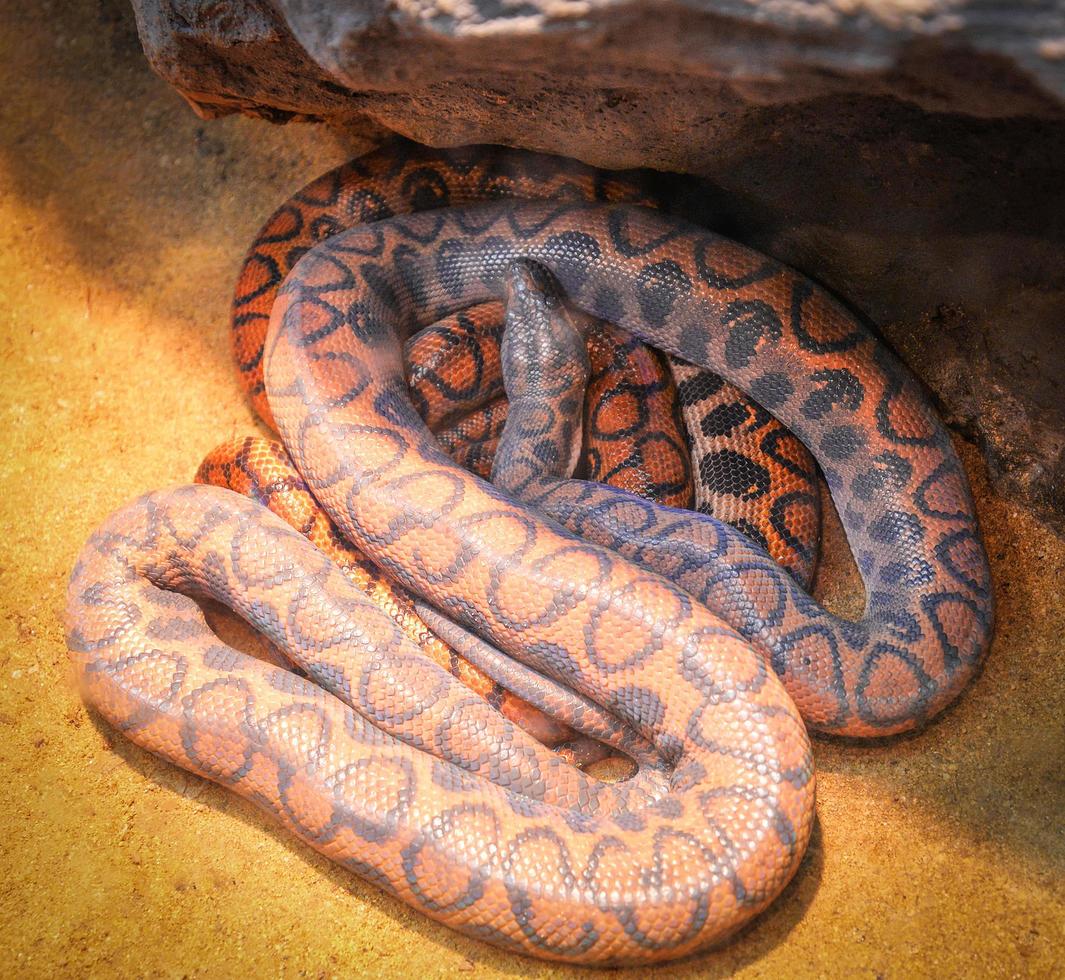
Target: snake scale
(381, 759)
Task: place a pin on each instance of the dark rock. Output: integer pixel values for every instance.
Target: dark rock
(911, 156)
(1003, 383)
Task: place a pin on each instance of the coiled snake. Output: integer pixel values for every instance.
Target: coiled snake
(382, 760)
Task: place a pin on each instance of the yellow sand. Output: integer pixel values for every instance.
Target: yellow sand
(123, 220)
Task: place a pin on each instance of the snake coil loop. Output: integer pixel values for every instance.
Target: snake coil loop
(382, 760)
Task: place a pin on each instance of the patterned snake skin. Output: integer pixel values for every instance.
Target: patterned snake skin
(408, 178)
(454, 374)
(750, 471)
(261, 469)
(384, 762)
(634, 437)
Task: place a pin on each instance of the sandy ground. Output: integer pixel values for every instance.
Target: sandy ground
(122, 222)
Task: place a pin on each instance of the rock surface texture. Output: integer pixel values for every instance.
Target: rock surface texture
(910, 154)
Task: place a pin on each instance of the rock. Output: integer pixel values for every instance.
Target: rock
(1007, 395)
(909, 155)
(471, 71)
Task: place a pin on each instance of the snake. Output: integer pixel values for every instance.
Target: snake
(381, 759)
(750, 471)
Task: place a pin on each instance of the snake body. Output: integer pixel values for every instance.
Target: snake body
(455, 379)
(750, 471)
(384, 762)
(634, 441)
(633, 435)
(261, 469)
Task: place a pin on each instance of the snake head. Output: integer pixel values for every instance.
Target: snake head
(543, 350)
